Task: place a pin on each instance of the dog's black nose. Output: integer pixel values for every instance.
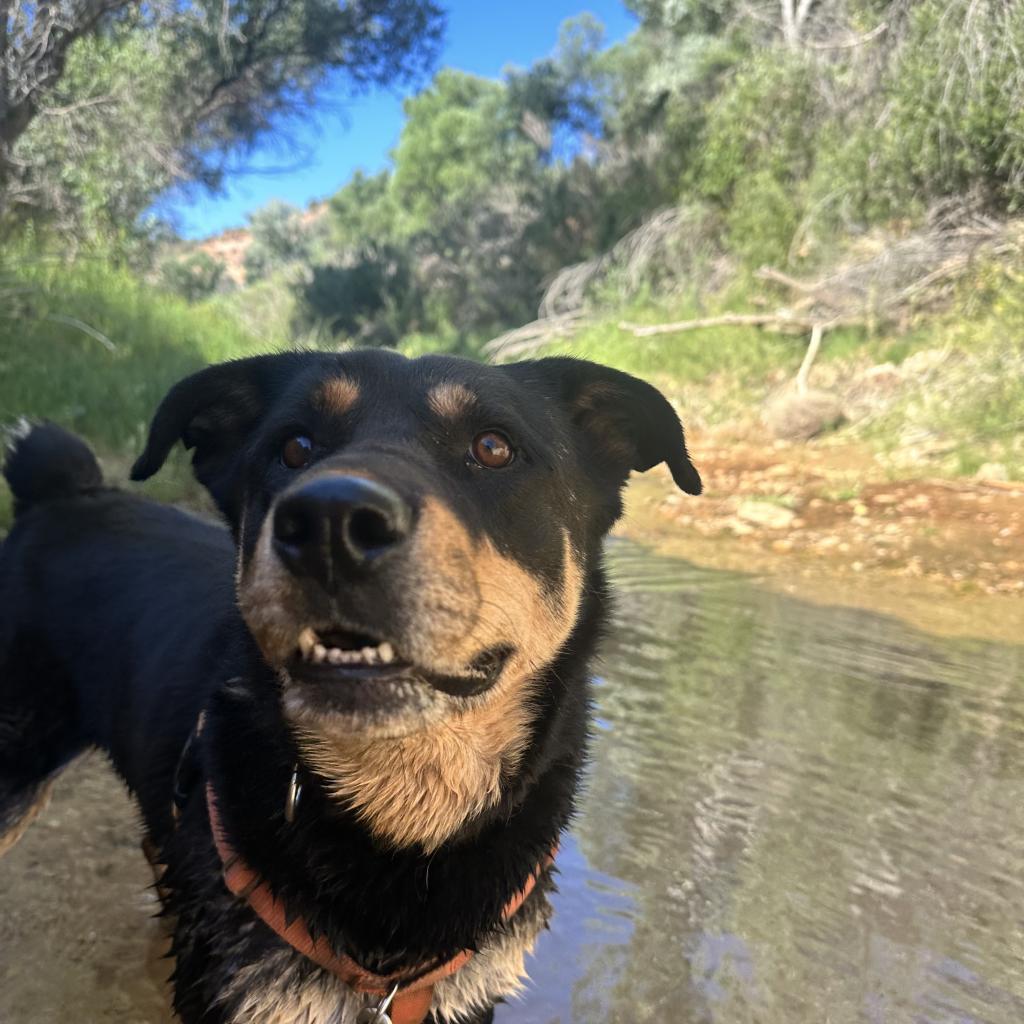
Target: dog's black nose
(337, 523)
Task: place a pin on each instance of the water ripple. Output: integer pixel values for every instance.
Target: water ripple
(794, 814)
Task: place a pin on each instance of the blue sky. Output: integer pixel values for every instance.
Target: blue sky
(483, 37)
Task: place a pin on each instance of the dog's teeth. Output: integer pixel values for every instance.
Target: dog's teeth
(313, 650)
(307, 641)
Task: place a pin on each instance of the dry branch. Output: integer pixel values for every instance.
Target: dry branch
(809, 356)
(534, 335)
(848, 44)
(780, 320)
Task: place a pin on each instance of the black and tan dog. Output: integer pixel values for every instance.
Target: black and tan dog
(355, 726)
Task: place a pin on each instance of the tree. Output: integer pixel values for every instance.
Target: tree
(370, 299)
(279, 237)
(222, 73)
(35, 40)
(364, 210)
(559, 100)
(194, 277)
(460, 139)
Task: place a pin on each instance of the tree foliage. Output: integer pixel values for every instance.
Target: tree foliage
(778, 125)
(193, 277)
(106, 103)
(787, 122)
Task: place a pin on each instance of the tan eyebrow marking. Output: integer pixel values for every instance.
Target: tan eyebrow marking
(337, 395)
(450, 400)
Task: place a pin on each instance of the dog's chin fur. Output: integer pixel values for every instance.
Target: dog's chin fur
(416, 776)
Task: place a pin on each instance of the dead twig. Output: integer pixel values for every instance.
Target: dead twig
(780, 320)
(812, 350)
(81, 325)
(848, 44)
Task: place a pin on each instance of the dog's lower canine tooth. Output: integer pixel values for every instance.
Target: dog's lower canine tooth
(307, 641)
(319, 653)
(386, 652)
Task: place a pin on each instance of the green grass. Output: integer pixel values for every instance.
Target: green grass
(95, 349)
(974, 402)
(264, 310)
(744, 354)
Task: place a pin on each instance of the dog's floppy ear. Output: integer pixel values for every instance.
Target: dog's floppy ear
(631, 423)
(211, 413)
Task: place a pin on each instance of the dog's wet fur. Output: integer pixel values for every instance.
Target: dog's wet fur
(405, 606)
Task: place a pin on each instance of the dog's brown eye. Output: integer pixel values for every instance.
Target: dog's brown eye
(297, 451)
(491, 449)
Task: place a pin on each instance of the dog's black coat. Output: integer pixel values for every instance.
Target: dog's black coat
(119, 624)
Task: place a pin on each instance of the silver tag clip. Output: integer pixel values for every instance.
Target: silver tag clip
(377, 1014)
(291, 804)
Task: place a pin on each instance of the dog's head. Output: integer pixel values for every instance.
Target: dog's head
(413, 534)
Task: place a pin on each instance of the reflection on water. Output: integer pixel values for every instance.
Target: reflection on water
(795, 814)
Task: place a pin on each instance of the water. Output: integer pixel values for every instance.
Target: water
(795, 815)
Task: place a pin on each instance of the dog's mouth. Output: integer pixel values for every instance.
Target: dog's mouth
(337, 654)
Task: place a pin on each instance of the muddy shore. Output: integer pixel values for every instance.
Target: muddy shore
(832, 523)
(79, 939)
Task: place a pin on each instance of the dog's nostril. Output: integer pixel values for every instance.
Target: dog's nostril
(292, 525)
(288, 529)
(369, 530)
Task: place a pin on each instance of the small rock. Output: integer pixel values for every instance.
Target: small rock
(993, 471)
(761, 513)
(796, 417)
(924, 361)
(738, 527)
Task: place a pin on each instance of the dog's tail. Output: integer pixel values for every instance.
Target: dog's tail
(39, 730)
(45, 462)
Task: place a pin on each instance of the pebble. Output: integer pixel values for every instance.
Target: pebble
(762, 513)
(993, 471)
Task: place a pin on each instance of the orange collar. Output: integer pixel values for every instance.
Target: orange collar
(411, 1004)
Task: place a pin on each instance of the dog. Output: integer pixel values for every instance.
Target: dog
(355, 720)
